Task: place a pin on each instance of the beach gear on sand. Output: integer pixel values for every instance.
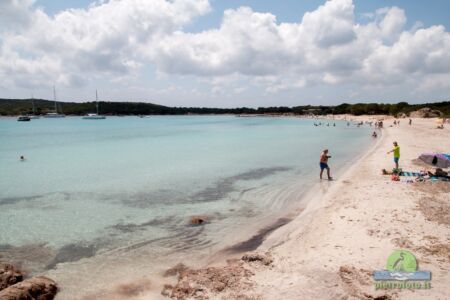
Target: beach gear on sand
(439, 160)
(413, 174)
(400, 172)
(396, 170)
(395, 177)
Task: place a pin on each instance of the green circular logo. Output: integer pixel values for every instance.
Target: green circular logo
(402, 261)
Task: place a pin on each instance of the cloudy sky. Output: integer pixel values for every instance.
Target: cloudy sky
(226, 53)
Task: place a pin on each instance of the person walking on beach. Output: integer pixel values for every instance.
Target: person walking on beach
(410, 121)
(324, 164)
(396, 151)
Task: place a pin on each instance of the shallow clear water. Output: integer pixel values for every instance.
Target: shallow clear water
(125, 187)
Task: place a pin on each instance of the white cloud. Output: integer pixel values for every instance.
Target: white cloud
(327, 46)
(392, 23)
(105, 39)
(14, 15)
(114, 39)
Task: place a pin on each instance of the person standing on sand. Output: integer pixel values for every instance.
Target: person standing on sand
(396, 151)
(324, 163)
(410, 121)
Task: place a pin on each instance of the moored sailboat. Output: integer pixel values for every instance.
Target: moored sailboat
(94, 116)
(34, 115)
(54, 114)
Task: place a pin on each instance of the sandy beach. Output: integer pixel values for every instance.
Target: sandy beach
(348, 230)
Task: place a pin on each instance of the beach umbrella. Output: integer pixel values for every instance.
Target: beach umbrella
(439, 160)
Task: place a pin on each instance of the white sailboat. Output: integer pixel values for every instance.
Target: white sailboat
(33, 116)
(54, 114)
(94, 116)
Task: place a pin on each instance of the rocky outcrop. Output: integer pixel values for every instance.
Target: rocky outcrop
(202, 283)
(425, 112)
(9, 275)
(198, 220)
(231, 281)
(265, 259)
(36, 288)
(175, 270)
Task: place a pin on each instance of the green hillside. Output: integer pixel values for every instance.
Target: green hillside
(14, 107)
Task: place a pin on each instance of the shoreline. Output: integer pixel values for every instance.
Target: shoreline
(331, 248)
(260, 238)
(249, 239)
(305, 199)
(317, 193)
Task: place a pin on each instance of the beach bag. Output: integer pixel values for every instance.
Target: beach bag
(395, 177)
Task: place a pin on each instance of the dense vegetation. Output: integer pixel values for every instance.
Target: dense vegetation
(9, 107)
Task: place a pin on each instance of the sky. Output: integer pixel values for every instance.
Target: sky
(231, 53)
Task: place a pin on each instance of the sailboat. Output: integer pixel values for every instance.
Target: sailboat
(94, 116)
(54, 114)
(33, 116)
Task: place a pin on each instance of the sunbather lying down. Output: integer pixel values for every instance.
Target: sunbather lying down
(439, 173)
(403, 173)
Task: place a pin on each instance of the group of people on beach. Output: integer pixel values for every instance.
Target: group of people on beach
(397, 122)
(379, 124)
(324, 159)
(320, 124)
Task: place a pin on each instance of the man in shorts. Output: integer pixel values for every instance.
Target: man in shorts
(396, 151)
(324, 164)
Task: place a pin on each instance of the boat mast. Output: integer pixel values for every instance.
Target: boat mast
(96, 100)
(32, 103)
(54, 98)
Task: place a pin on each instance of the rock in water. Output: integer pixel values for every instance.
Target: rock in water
(37, 288)
(9, 275)
(198, 220)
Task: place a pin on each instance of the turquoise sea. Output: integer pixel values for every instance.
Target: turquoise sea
(97, 196)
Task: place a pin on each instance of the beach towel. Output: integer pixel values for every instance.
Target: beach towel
(411, 174)
(436, 178)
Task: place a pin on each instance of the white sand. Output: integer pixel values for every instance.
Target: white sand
(362, 218)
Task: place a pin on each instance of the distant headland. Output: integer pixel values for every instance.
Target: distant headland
(14, 107)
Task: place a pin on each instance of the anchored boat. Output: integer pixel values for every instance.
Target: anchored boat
(95, 116)
(54, 114)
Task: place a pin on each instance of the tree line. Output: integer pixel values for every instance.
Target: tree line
(13, 107)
